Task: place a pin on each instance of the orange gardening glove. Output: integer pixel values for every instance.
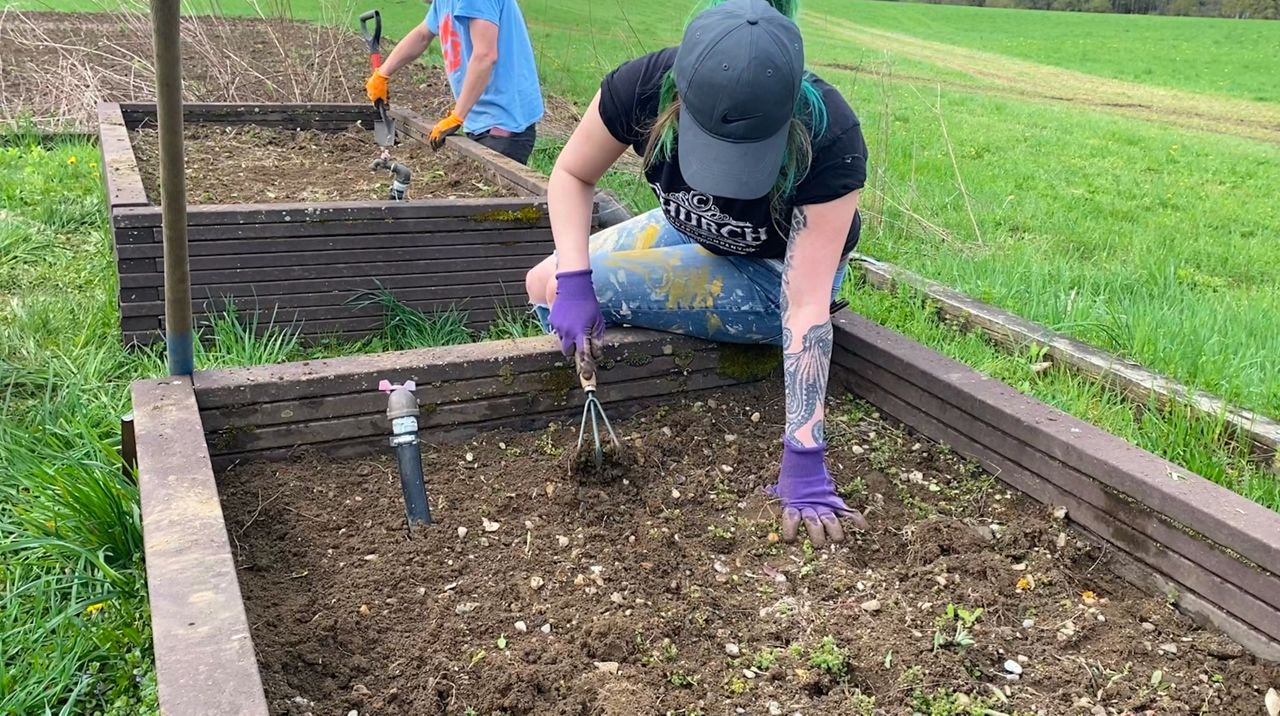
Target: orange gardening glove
(376, 87)
(445, 127)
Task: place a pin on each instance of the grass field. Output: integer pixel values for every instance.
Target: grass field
(1124, 229)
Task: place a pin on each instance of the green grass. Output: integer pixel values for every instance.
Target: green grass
(1218, 56)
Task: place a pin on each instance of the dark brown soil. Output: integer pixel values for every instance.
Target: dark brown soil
(667, 592)
(251, 164)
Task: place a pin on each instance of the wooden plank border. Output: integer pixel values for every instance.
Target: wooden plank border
(511, 174)
(205, 660)
(1220, 548)
(1129, 378)
(120, 173)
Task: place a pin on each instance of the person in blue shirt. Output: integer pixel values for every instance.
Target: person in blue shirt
(489, 60)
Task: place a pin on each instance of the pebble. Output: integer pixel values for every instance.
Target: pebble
(984, 533)
(490, 526)
(562, 540)
(546, 628)
(749, 673)
(370, 557)
(667, 432)
(675, 494)
(1012, 667)
(608, 667)
(353, 712)
(1169, 648)
(364, 609)
(871, 605)
(726, 469)
(1224, 649)
(1148, 626)
(1028, 623)
(470, 457)
(755, 417)
(466, 607)
(1098, 711)
(536, 582)
(522, 627)
(1060, 513)
(422, 591)
(1022, 659)
(1272, 702)
(462, 532)
(775, 709)
(360, 690)
(857, 450)
(1020, 567)
(732, 649)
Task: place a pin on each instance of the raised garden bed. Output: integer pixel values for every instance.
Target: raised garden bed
(334, 629)
(326, 232)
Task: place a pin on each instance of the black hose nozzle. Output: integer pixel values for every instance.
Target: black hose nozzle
(400, 176)
(402, 411)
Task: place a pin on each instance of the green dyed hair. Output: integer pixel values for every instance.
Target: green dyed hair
(809, 121)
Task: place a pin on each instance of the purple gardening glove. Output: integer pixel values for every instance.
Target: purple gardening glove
(808, 493)
(575, 315)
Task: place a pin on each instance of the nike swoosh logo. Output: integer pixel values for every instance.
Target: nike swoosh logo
(726, 119)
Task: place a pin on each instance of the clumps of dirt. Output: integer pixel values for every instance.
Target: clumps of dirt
(249, 164)
(667, 590)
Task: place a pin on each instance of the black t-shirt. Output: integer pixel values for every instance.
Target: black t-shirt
(629, 98)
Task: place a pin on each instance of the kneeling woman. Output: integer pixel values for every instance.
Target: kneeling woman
(757, 166)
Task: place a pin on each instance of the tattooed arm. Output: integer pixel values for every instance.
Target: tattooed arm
(808, 493)
(818, 234)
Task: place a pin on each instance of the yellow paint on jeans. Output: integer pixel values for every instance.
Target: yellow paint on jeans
(647, 238)
(694, 289)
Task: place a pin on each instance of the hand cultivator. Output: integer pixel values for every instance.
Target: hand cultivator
(593, 412)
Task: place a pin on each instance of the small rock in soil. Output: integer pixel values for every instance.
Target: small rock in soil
(1060, 513)
(353, 712)
(871, 605)
(749, 673)
(775, 709)
(364, 610)
(360, 690)
(1272, 702)
(466, 607)
(522, 627)
(755, 417)
(546, 628)
(490, 526)
(535, 582)
(1012, 667)
(562, 540)
(1028, 623)
(608, 667)
(1169, 648)
(1148, 626)
(732, 649)
(462, 532)
(370, 557)
(422, 591)
(857, 450)
(1098, 711)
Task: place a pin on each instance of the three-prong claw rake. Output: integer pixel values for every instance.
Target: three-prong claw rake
(592, 411)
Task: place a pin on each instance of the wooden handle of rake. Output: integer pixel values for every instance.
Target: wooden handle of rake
(586, 365)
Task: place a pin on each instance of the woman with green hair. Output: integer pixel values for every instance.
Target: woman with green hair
(757, 166)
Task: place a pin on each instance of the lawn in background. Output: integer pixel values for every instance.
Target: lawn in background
(1239, 58)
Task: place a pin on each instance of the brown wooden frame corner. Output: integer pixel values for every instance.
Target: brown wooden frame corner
(298, 264)
(1213, 553)
(205, 661)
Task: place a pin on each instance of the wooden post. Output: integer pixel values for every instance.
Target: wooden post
(173, 189)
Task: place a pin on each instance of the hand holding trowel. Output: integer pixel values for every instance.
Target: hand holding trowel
(384, 127)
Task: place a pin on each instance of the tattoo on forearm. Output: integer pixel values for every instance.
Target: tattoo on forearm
(806, 366)
(799, 220)
(805, 372)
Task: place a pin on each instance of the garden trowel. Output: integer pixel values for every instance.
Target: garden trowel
(384, 127)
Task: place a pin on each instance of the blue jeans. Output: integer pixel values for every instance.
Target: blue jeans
(649, 275)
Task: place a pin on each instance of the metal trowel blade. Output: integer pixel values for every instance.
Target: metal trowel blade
(384, 132)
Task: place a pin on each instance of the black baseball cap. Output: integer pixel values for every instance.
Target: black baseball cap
(738, 73)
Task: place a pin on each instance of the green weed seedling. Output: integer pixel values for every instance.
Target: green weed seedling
(764, 660)
(681, 680)
(860, 704)
(954, 627)
(829, 657)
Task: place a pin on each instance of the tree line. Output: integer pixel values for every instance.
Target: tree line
(1240, 9)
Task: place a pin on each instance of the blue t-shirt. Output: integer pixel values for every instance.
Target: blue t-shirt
(513, 99)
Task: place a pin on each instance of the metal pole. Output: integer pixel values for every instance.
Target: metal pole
(173, 187)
